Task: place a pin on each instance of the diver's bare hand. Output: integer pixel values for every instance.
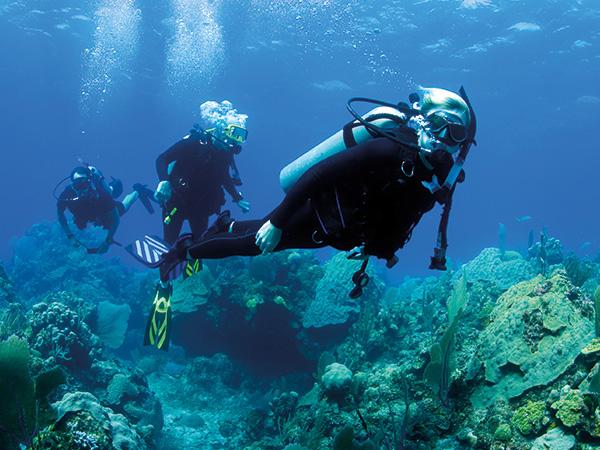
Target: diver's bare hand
(268, 237)
(244, 205)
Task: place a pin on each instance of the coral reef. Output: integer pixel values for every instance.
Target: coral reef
(45, 261)
(7, 291)
(24, 397)
(111, 323)
(83, 423)
(270, 353)
(331, 304)
(535, 333)
(58, 333)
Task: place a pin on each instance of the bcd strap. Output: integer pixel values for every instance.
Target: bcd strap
(348, 134)
(349, 140)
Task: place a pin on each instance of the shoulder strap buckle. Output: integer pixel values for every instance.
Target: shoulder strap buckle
(408, 168)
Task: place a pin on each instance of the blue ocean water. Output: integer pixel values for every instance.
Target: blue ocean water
(116, 82)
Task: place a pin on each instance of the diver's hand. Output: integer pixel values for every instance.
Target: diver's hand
(163, 192)
(268, 237)
(244, 205)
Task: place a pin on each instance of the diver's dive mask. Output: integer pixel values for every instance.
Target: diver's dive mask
(81, 180)
(236, 133)
(447, 127)
(231, 132)
(439, 130)
(81, 184)
(232, 137)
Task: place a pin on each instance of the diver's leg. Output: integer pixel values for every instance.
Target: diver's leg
(198, 223)
(241, 239)
(302, 231)
(240, 242)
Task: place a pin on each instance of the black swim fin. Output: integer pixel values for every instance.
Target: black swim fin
(158, 327)
(146, 196)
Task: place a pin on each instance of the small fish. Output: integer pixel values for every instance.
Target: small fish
(585, 245)
(523, 219)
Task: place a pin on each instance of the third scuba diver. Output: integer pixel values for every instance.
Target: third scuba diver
(91, 199)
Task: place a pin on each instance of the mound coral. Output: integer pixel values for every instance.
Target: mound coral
(83, 423)
(331, 304)
(535, 333)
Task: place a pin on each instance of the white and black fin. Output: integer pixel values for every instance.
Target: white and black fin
(148, 250)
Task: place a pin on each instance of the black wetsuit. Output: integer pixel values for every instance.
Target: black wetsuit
(357, 197)
(97, 206)
(200, 173)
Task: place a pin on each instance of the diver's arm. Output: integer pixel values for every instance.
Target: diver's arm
(115, 220)
(62, 219)
(176, 152)
(372, 155)
(228, 185)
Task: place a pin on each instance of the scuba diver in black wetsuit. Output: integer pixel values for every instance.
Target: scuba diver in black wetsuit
(194, 171)
(362, 190)
(91, 199)
(401, 161)
(192, 176)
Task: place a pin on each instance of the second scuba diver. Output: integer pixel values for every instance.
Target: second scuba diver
(192, 176)
(93, 200)
(194, 171)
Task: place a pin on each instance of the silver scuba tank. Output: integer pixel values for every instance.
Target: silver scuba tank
(335, 144)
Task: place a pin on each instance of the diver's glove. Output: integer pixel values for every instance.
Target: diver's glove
(244, 205)
(163, 192)
(268, 237)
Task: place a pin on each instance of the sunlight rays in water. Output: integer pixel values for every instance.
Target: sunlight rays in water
(195, 51)
(116, 42)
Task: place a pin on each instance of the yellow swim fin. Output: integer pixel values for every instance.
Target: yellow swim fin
(192, 268)
(158, 327)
